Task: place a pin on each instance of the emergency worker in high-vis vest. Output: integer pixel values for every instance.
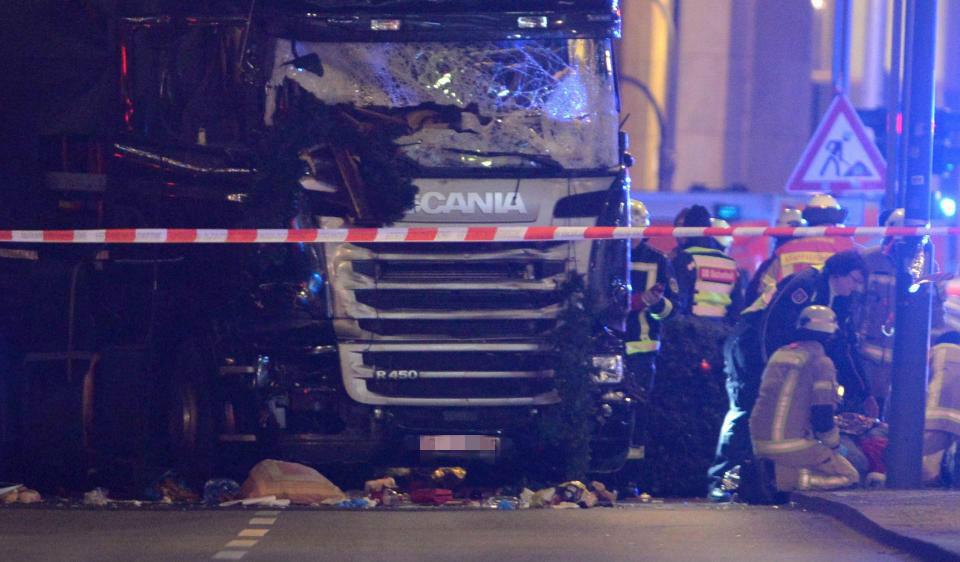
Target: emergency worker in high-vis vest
(942, 420)
(654, 287)
(792, 421)
(710, 284)
(788, 217)
(801, 253)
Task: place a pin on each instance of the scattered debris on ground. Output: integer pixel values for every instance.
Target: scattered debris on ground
(221, 490)
(18, 493)
(278, 484)
(292, 481)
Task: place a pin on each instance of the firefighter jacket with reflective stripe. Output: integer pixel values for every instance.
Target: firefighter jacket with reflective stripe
(795, 256)
(648, 267)
(798, 377)
(876, 319)
(778, 328)
(710, 285)
(752, 291)
(943, 392)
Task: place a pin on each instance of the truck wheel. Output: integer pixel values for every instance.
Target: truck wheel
(191, 423)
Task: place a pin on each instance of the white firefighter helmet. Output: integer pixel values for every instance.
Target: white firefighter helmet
(639, 216)
(724, 241)
(823, 201)
(897, 217)
(790, 216)
(818, 318)
(823, 210)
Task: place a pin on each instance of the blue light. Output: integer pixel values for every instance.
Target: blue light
(948, 206)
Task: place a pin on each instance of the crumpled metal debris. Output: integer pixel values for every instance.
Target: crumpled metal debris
(97, 496)
(502, 502)
(263, 501)
(730, 482)
(220, 490)
(379, 485)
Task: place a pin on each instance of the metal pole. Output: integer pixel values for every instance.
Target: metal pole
(912, 332)
(841, 46)
(894, 107)
(668, 143)
(908, 33)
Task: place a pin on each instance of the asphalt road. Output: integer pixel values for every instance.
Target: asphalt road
(668, 531)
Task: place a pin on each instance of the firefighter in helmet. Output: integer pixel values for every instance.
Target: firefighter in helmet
(798, 254)
(792, 421)
(654, 288)
(789, 217)
(941, 426)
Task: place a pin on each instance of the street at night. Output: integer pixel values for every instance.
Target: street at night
(545, 280)
(655, 532)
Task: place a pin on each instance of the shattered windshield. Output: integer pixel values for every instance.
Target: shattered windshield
(521, 103)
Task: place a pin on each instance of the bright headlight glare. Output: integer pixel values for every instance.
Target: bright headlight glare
(608, 369)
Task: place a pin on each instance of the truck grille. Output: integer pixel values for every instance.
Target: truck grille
(445, 388)
(470, 319)
(384, 271)
(402, 299)
(448, 374)
(458, 329)
(443, 360)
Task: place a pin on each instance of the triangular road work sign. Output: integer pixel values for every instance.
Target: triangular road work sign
(840, 156)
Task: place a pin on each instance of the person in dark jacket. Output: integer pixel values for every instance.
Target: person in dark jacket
(709, 281)
(654, 289)
(843, 277)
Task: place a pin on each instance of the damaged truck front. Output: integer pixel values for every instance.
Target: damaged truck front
(510, 120)
(364, 114)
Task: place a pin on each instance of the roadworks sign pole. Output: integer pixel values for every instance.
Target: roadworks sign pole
(912, 331)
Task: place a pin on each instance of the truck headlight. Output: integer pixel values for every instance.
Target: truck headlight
(608, 369)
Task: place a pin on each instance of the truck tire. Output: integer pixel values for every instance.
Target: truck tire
(191, 411)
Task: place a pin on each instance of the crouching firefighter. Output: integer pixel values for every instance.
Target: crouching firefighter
(651, 278)
(792, 422)
(941, 426)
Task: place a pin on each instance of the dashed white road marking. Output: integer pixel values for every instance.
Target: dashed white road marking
(262, 518)
(230, 555)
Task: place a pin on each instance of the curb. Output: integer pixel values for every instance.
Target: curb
(859, 522)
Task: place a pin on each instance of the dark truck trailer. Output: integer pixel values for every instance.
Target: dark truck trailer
(352, 352)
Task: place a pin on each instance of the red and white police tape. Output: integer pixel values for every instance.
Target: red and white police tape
(437, 234)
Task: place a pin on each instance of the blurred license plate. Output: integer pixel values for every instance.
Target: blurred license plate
(459, 443)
